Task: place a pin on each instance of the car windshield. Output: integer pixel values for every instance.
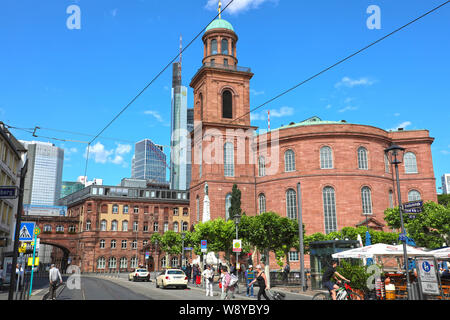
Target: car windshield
(175, 272)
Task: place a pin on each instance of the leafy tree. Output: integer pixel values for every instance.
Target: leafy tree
(444, 199)
(430, 229)
(235, 208)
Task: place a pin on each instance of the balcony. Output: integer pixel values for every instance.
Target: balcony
(224, 67)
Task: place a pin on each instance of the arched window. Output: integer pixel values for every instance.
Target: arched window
(262, 203)
(227, 104)
(289, 161)
(184, 227)
(174, 262)
(102, 244)
(112, 263)
(48, 228)
(329, 209)
(123, 263)
(291, 204)
(114, 225)
(125, 209)
(227, 206)
(326, 158)
(134, 262)
(214, 46)
(224, 46)
(166, 226)
(228, 159)
(261, 166)
(88, 225)
(175, 226)
(135, 226)
(101, 262)
(363, 162)
(103, 225)
(410, 163)
(59, 228)
(113, 244)
(414, 195)
(201, 106)
(125, 225)
(115, 208)
(134, 245)
(386, 164)
(366, 196)
(391, 199)
(163, 262)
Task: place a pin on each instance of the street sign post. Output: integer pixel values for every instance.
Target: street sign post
(428, 276)
(36, 232)
(8, 192)
(26, 231)
(204, 246)
(237, 245)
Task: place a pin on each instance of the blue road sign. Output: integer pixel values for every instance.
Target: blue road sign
(26, 232)
(204, 244)
(8, 192)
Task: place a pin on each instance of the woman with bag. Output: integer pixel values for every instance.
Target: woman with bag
(262, 282)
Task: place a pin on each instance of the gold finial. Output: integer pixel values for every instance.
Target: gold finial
(220, 10)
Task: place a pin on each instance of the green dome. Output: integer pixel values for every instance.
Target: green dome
(220, 24)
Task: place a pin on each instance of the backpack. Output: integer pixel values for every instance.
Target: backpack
(234, 279)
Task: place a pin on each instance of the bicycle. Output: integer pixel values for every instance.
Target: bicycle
(345, 292)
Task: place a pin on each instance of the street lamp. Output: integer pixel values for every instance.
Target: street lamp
(183, 236)
(394, 154)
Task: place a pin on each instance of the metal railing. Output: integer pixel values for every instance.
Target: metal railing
(225, 67)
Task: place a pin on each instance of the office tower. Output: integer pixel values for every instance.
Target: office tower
(446, 183)
(179, 133)
(43, 181)
(149, 162)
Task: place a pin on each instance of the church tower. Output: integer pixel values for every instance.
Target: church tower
(221, 141)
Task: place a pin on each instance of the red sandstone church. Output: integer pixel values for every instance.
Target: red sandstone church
(344, 174)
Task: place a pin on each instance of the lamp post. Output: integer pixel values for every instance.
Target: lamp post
(237, 220)
(394, 154)
(157, 256)
(183, 236)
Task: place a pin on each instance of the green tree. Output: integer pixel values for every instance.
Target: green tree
(430, 229)
(444, 199)
(235, 208)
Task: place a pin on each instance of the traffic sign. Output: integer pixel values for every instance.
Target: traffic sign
(204, 245)
(37, 231)
(36, 261)
(188, 248)
(237, 245)
(428, 276)
(8, 192)
(26, 232)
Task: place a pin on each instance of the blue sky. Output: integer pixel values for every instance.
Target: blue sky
(78, 80)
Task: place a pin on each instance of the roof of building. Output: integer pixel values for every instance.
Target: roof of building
(220, 24)
(311, 121)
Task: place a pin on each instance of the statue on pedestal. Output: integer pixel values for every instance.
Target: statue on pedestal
(206, 210)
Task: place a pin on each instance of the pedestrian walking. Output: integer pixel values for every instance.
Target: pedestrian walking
(188, 272)
(53, 276)
(194, 274)
(286, 271)
(262, 282)
(227, 285)
(208, 276)
(249, 277)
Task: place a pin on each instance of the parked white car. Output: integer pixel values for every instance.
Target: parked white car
(172, 277)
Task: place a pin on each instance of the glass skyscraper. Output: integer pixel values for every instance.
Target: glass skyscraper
(149, 162)
(43, 180)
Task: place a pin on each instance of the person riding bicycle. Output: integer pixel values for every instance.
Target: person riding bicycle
(329, 273)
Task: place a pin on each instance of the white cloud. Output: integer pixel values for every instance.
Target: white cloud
(348, 108)
(350, 83)
(401, 125)
(102, 155)
(396, 114)
(237, 6)
(256, 93)
(155, 114)
(274, 113)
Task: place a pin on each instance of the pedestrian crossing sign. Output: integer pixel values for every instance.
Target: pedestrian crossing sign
(26, 232)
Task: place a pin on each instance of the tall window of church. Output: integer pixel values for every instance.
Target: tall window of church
(197, 204)
(228, 161)
(291, 204)
(214, 46)
(366, 196)
(363, 162)
(227, 206)
(224, 46)
(391, 199)
(227, 105)
(261, 166)
(326, 158)
(386, 164)
(329, 209)
(201, 106)
(289, 161)
(414, 195)
(262, 203)
(410, 163)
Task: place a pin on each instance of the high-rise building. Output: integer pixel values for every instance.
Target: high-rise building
(149, 162)
(179, 133)
(43, 181)
(446, 183)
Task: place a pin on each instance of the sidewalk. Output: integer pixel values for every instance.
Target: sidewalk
(40, 288)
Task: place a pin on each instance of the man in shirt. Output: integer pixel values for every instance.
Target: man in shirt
(53, 276)
(250, 276)
(329, 273)
(208, 275)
